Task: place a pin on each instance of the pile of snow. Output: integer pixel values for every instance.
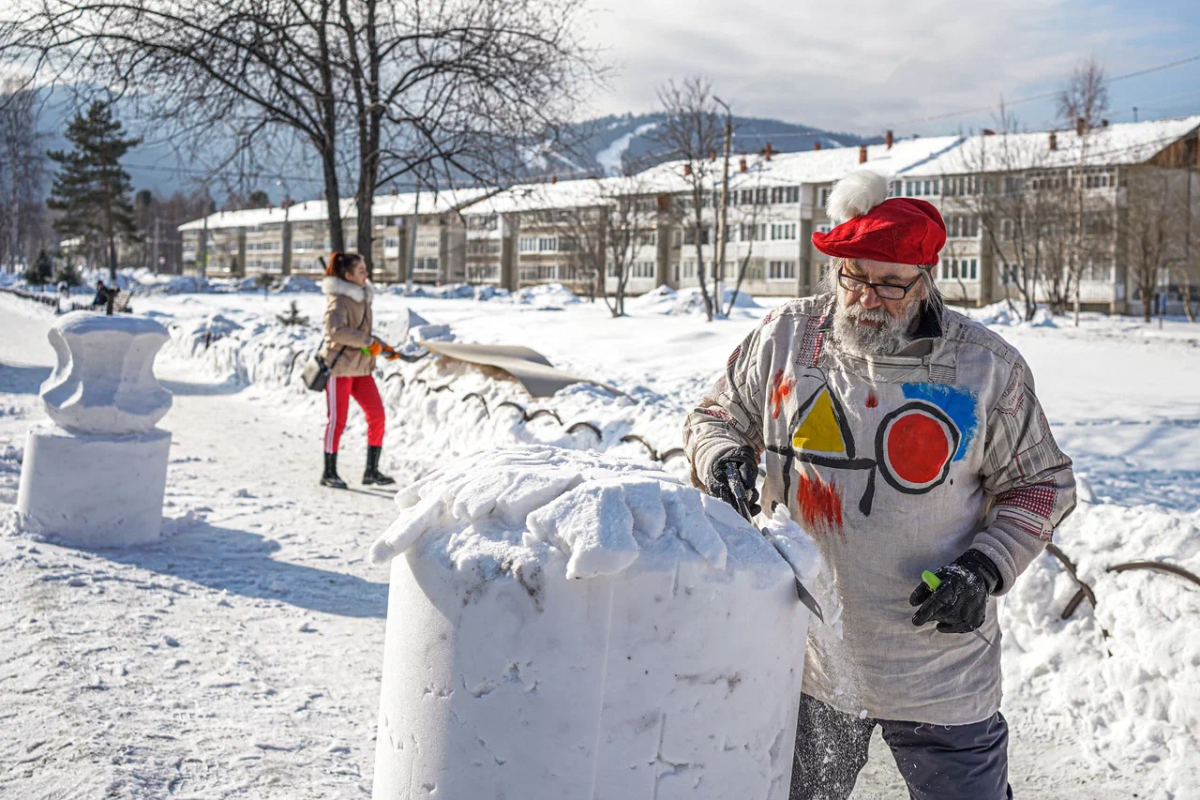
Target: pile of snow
(548, 297)
(1134, 693)
(1001, 314)
(552, 636)
(455, 291)
(690, 302)
(296, 283)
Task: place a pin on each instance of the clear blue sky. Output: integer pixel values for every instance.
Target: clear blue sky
(868, 65)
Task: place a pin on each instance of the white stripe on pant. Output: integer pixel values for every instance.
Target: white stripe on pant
(331, 426)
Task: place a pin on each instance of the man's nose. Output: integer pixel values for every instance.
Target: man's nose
(869, 299)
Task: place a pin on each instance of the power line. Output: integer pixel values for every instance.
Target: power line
(981, 109)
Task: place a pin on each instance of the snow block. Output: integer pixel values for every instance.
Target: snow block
(98, 478)
(94, 491)
(566, 626)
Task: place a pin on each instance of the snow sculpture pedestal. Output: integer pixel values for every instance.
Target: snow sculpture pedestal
(97, 476)
(564, 626)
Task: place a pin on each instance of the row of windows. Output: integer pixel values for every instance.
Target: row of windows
(547, 244)
(311, 244)
(429, 264)
(775, 270)
(639, 269)
(554, 272)
(258, 246)
(785, 231)
(966, 269)
(488, 273)
(483, 247)
(962, 226)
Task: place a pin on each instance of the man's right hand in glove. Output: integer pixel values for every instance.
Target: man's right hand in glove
(745, 463)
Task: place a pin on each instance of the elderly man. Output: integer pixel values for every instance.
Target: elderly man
(904, 437)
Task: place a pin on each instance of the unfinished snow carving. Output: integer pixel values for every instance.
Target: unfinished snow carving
(567, 626)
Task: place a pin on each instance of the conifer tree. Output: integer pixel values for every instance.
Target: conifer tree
(91, 188)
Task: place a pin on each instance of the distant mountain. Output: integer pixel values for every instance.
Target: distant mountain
(604, 146)
(610, 143)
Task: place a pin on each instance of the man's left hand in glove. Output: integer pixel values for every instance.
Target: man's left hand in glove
(960, 603)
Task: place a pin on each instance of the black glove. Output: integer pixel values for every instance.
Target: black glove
(745, 462)
(960, 604)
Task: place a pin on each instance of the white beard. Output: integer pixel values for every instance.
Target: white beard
(888, 338)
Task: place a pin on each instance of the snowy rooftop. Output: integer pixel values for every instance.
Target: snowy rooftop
(388, 205)
(1125, 143)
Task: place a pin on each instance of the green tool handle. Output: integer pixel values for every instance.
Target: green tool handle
(933, 582)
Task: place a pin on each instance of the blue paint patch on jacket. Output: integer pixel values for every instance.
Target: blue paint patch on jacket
(959, 405)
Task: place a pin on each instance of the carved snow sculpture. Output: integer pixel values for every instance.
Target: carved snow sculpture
(97, 476)
(567, 626)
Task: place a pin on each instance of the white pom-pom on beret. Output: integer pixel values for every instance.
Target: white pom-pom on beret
(856, 194)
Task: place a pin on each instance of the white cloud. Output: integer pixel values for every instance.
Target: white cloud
(863, 65)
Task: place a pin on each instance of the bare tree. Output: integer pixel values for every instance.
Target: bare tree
(1155, 228)
(378, 89)
(1085, 95)
(1008, 180)
(1082, 104)
(690, 133)
(751, 196)
(612, 234)
(23, 230)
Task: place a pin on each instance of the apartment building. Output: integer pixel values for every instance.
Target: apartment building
(1070, 199)
(295, 240)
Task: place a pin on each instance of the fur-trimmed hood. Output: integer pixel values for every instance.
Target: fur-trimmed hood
(331, 284)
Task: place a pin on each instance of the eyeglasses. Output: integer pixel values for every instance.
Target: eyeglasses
(886, 291)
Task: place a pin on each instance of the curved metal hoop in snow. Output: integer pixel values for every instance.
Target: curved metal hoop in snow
(654, 455)
(1086, 592)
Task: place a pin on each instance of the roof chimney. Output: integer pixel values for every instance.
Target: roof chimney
(988, 132)
(890, 140)
(712, 154)
(1053, 140)
(1080, 126)
(816, 145)
(862, 154)
(687, 170)
(1103, 123)
(742, 164)
(769, 151)
(554, 179)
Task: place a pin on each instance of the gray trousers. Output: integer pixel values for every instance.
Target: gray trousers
(938, 762)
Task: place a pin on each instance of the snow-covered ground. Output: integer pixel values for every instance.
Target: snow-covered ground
(241, 656)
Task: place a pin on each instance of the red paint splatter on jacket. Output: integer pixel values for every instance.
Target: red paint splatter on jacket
(780, 389)
(820, 505)
(872, 400)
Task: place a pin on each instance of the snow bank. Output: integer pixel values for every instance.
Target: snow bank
(1000, 314)
(1127, 673)
(569, 626)
(689, 302)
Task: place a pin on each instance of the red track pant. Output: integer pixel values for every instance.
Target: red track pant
(338, 392)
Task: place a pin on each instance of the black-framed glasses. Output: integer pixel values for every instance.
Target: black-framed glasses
(887, 291)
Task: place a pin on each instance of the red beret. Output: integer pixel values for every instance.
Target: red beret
(899, 231)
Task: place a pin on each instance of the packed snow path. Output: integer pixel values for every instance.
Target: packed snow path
(241, 656)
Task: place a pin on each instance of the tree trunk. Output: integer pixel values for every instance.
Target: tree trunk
(708, 303)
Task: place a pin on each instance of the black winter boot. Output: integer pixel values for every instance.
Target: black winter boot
(372, 475)
(330, 478)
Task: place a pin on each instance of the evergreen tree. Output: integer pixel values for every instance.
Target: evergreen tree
(91, 188)
(40, 270)
(258, 199)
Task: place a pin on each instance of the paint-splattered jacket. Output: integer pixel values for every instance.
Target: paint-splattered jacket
(896, 465)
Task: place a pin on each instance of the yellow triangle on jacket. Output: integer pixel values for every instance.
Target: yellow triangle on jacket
(819, 431)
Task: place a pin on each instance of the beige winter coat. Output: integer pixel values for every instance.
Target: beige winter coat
(348, 325)
(896, 465)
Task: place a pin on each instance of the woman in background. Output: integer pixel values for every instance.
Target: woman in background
(350, 349)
